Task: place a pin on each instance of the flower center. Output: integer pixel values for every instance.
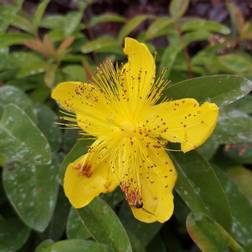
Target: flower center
(127, 127)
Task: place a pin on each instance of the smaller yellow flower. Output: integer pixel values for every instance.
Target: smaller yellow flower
(120, 109)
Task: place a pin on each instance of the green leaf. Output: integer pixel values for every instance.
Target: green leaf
(140, 233)
(79, 149)
(104, 225)
(107, 18)
(75, 245)
(170, 53)
(131, 25)
(57, 225)
(240, 208)
(233, 127)
(71, 22)
(103, 43)
(32, 191)
(38, 14)
(178, 8)
(29, 178)
(200, 188)
(195, 24)
(236, 62)
(243, 179)
(157, 26)
(76, 228)
(209, 235)
(8, 13)
(16, 143)
(221, 89)
(47, 123)
(11, 94)
(74, 73)
(13, 234)
(13, 38)
(244, 105)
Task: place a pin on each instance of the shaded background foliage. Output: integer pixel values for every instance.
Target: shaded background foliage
(51, 41)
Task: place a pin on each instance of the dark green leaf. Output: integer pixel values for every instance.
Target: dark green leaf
(47, 123)
(139, 233)
(221, 89)
(240, 207)
(104, 225)
(209, 235)
(13, 234)
(11, 94)
(200, 188)
(76, 228)
(16, 143)
(233, 127)
(75, 245)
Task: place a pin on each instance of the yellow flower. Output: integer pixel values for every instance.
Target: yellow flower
(120, 109)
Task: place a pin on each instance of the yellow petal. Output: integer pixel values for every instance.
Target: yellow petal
(183, 121)
(147, 178)
(87, 102)
(86, 178)
(157, 186)
(139, 72)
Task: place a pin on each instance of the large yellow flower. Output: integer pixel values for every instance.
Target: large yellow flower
(120, 110)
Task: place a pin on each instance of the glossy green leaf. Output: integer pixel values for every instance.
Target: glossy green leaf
(32, 190)
(139, 233)
(47, 120)
(76, 228)
(75, 245)
(178, 8)
(244, 105)
(221, 89)
(79, 149)
(233, 127)
(13, 234)
(209, 235)
(29, 178)
(104, 225)
(195, 24)
(16, 142)
(107, 18)
(56, 228)
(13, 38)
(131, 25)
(103, 43)
(157, 26)
(240, 208)
(11, 94)
(200, 188)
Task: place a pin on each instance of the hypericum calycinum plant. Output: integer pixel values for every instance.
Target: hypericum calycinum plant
(125, 110)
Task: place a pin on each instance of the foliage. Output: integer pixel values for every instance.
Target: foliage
(213, 196)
